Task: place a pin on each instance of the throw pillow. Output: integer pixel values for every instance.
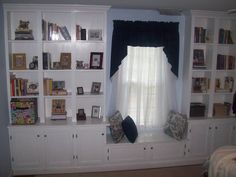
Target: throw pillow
(115, 127)
(176, 125)
(130, 129)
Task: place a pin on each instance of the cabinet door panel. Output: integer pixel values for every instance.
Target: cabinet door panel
(126, 153)
(25, 149)
(198, 145)
(91, 145)
(58, 147)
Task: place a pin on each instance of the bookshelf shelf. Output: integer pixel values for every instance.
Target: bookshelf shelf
(49, 32)
(212, 48)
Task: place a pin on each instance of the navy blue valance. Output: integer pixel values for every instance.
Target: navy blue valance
(145, 34)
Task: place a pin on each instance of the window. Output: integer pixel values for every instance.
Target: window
(146, 86)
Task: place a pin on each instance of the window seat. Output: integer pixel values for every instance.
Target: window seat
(146, 137)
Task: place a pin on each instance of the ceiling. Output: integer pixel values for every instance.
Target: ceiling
(214, 5)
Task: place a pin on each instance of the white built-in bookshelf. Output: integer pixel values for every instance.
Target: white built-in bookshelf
(210, 63)
(46, 34)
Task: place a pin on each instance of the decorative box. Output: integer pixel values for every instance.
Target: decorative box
(197, 110)
(24, 111)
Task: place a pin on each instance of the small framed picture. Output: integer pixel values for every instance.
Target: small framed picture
(96, 86)
(65, 60)
(80, 91)
(96, 60)
(96, 112)
(18, 61)
(81, 114)
(58, 106)
(95, 34)
(56, 65)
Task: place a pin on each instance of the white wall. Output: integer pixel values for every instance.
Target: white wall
(4, 120)
(140, 15)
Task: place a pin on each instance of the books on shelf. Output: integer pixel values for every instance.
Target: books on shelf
(51, 87)
(224, 85)
(225, 62)
(52, 31)
(199, 59)
(225, 37)
(80, 33)
(47, 60)
(200, 35)
(200, 84)
(22, 87)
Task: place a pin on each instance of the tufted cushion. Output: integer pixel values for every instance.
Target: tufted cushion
(115, 127)
(176, 125)
(130, 129)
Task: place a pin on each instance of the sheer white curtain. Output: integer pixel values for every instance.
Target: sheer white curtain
(146, 86)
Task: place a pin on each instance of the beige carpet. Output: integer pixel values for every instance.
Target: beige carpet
(183, 171)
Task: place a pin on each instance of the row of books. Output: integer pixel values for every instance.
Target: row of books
(80, 33)
(225, 62)
(52, 31)
(225, 84)
(51, 87)
(22, 87)
(200, 35)
(225, 37)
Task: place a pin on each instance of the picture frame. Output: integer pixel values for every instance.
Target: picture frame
(80, 91)
(56, 65)
(95, 34)
(58, 106)
(96, 112)
(96, 86)
(96, 59)
(18, 61)
(65, 60)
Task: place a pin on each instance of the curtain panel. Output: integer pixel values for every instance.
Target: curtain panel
(145, 34)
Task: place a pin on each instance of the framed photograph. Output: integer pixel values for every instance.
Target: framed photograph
(18, 61)
(96, 112)
(95, 34)
(58, 106)
(96, 60)
(65, 60)
(80, 91)
(96, 86)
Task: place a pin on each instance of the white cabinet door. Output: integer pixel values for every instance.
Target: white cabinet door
(126, 152)
(58, 144)
(221, 133)
(167, 150)
(198, 145)
(26, 152)
(90, 145)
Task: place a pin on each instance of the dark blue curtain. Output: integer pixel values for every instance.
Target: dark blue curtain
(145, 34)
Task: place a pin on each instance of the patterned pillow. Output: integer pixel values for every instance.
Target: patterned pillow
(176, 125)
(117, 132)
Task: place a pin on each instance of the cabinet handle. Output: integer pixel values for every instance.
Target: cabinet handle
(38, 136)
(152, 148)
(209, 128)
(76, 157)
(73, 136)
(45, 136)
(76, 135)
(102, 134)
(144, 148)
(216, 127)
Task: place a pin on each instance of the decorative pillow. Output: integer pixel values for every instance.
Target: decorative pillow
(130, 129)
(115, 127)
(176, 125)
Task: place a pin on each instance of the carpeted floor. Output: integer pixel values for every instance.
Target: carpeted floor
(183, 171)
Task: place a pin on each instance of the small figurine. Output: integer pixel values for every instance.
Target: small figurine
(34, 63)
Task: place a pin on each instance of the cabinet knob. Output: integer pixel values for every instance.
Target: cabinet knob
(152, 148)
(103, 134)
(209, 128)
(45, 136)
(216, 127)
(144, 148)
(38, 136)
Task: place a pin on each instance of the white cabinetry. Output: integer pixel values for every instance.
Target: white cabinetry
(90, 145)
(207, 135)
(209, 67)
